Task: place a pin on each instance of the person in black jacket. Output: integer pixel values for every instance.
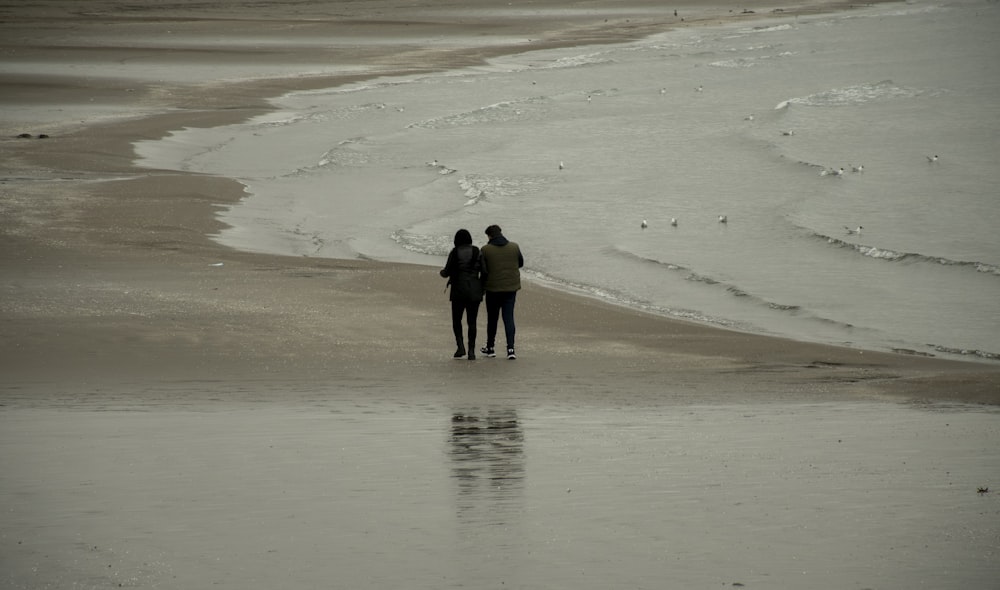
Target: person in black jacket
(462, 271)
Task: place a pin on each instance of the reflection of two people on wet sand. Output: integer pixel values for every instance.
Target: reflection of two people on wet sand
(487, 452)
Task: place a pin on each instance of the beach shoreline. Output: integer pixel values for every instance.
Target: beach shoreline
(177, 413)
(113, 282)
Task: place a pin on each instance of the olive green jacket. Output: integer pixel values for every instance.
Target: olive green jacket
(501, 263)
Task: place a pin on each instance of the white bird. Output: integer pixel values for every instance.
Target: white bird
(723, 219)
(858, 168)
(748, 118)
(788, 133)
(856, 231)
(932, 159)
(699, 88)
(673, 221)
(433, 163)
(643, 225)
(561, 165)
(663, 90)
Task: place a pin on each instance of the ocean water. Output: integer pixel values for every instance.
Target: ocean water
(570, 150)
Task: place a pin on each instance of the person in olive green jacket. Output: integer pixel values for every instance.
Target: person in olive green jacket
(501, 264)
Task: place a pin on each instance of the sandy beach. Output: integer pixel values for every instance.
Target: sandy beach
(110, 274)
(116, 298)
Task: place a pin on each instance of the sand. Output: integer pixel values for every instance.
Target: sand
(116, 299)
(119, 282)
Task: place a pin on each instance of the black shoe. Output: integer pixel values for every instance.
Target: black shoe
(510, 353)
(472, 355)
(460, 353)
(488, 351)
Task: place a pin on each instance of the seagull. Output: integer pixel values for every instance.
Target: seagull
(699, 88)
(748, 118)
(433, 163)
(932, 159)
(723, 219)
(673, 221)
(643, 225)
(788, 133)
(561, 165)
(858, 168)
(854, 231)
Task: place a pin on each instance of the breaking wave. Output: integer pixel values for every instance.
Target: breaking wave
(692, 276)
(434, 245)
(769, 29)
(751, 61)
(576, 61)
(345, 155)
(853, 95)
(509, 110)
(893, 256)
(619, 298)
(993, 356)
(479, 187)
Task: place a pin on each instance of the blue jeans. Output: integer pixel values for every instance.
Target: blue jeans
(500, 303)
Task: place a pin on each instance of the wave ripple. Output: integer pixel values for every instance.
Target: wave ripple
(894, 256)
(854, 95)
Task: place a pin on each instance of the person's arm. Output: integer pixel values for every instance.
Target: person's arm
(477, 261)
(449, 265)
(484, 269)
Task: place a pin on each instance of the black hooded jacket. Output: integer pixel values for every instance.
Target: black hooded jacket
(462, 271)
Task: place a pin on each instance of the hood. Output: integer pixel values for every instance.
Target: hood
(499, 241)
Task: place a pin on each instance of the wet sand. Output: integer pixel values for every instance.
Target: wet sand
(111, 277)
(375, 490)
(142, 362)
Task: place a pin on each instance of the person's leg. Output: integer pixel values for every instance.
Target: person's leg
(507, 310)
(457, 309)
(492, 319)
(471, 313)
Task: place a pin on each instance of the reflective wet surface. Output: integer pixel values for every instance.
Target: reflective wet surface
(430, 493)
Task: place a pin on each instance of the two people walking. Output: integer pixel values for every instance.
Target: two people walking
(493, 272)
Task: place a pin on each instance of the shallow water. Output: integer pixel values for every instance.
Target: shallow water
(432, 492)
(742, 121)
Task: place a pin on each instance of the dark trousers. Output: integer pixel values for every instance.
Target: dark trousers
(469, 309)
(500, 303)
